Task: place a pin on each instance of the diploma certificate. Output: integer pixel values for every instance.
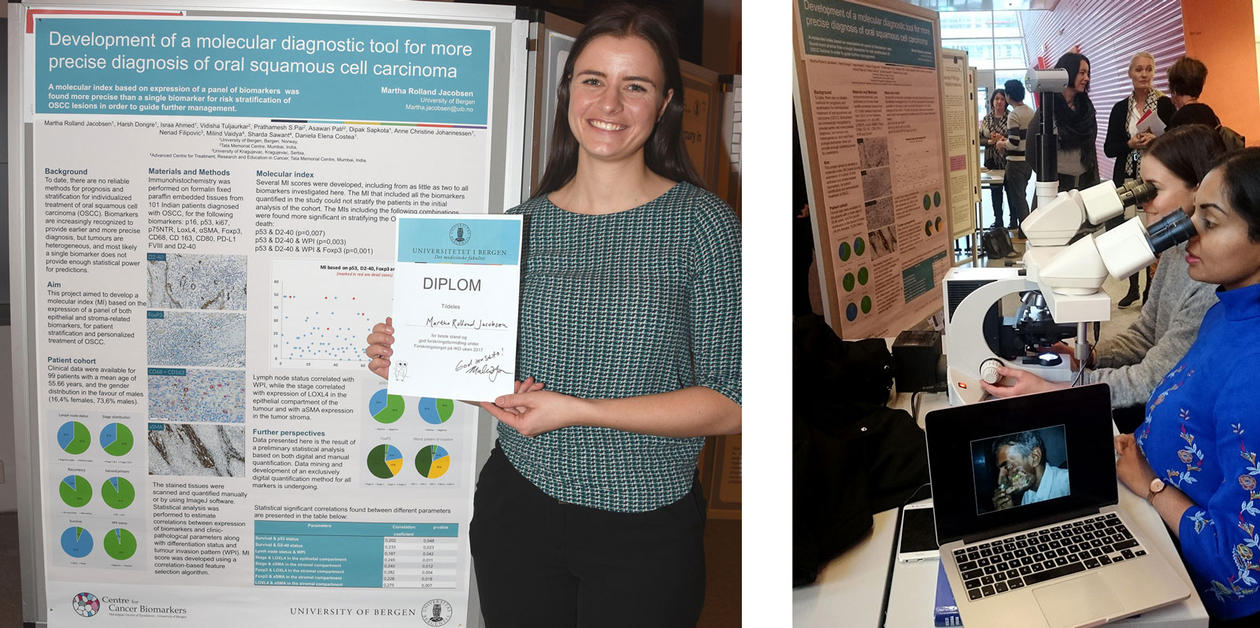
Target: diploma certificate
(457, 284)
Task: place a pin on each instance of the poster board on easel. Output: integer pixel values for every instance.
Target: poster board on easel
(961, 140)
(869, 106)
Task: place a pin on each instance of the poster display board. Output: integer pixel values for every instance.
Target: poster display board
(203, 204)
(961, 141)
(701, 116)
(731, 161)
(869, 104)
(554, 36)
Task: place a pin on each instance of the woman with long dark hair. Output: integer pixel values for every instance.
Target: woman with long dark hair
(1075, 126)
(1194, 458)
(589, 508)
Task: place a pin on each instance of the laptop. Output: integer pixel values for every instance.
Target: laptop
(1025, 495)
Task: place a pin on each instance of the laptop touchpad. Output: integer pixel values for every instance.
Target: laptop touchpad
(1085, 600)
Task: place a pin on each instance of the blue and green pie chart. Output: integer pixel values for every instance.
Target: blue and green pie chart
(118, 493)
(385, 461)
(75, 491)
(386, 408)
(73, 437)
(436, 411)
(76, 542)
(116, 439)
(120, 544)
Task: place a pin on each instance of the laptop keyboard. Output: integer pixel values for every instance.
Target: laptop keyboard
(1015, 562)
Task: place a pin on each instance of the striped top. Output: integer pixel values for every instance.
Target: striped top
(1017, 122)
(632, 303)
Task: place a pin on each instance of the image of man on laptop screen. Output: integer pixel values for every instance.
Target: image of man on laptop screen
(1020, 468)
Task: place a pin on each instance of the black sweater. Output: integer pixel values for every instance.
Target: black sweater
(1116, 144)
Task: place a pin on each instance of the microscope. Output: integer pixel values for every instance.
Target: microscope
(1058, 289)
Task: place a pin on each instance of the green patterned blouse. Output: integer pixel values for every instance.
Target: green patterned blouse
(632, 303)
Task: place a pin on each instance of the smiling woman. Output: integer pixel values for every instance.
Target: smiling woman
(630, 320)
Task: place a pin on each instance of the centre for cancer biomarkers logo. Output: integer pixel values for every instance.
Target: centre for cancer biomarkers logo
(460, 234)
(436, 612)
(86, 604)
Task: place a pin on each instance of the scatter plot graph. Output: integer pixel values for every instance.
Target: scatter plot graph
(321, 312)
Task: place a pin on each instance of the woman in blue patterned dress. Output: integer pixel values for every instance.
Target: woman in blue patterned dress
(1195, 456)
(588, 512)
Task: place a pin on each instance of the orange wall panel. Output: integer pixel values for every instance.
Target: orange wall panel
(1221, 35)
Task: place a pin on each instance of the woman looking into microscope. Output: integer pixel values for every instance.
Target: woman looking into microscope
(1194, 458)
(1133, 361)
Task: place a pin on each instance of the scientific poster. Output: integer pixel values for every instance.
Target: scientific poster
(214, 202)
(961, 141)
(869, 98)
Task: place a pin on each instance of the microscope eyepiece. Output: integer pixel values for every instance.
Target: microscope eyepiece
(1135, 193)
(1170, 231)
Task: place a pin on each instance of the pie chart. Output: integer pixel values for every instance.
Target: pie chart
(118, 493)
(75, 491)
(76, 542)
(385, 461)
(116, 439)
(120, 544)
(73, 437)
(433, 462)
(386, 408)
(436, 411)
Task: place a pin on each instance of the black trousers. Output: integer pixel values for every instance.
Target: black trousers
(545, 563)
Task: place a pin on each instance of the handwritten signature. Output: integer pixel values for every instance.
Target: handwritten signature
(480, 366)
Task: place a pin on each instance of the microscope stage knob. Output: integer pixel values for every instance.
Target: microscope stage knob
(989, 370)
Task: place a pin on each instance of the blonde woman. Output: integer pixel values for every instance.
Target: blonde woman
(1125, 143)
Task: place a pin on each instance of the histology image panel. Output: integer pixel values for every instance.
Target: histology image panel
(201, 449)
(197, 395)
(196, 339)
(196, 282)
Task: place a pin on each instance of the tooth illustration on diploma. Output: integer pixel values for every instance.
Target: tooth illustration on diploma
(456, 306)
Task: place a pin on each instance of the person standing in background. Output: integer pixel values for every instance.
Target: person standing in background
(1018, 170)
(1186, 77)
(992, 131)
(1075, 126)
(1125, 143)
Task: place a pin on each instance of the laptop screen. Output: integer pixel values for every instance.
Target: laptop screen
(1009, 464)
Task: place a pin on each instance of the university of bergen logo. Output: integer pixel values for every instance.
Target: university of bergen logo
(460, 234)
(436, 612)
(86, 604)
